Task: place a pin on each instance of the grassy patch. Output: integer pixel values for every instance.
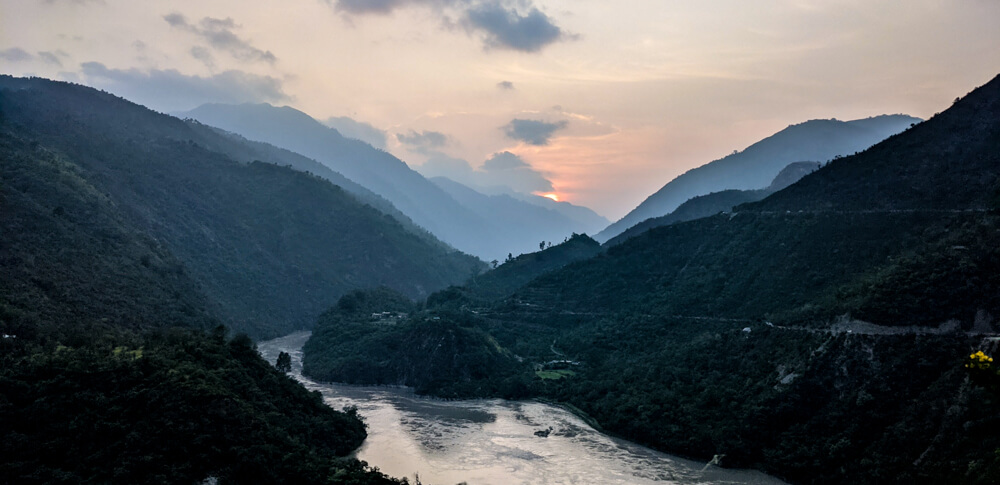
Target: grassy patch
(554, 374)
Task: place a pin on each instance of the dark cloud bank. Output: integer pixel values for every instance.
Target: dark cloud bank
(532, 132)
(502, 24)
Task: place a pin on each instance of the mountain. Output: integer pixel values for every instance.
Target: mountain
(825, 334)
(716, 202)
(518, 271)
(422, 201)
(268, 247)
(114, 367)
(586, 220)
(246, 150)
(757, 165)
(511, 219)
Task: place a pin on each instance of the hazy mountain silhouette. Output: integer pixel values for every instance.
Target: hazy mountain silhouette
(422, 201)
(511, 220)
(757, 165)
(716, 202)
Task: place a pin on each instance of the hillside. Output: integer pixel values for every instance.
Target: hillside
(757, 165)
(516, 272)
(268, 247)
(114, 368)
(739, 334)
(422, 201)
(241, 149)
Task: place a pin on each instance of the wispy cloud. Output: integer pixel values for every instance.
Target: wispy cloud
(170, 90)
(423, 142)
(532, 132)
(16, 54)
(220, 36)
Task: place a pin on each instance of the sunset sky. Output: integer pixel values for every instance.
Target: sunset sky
(607, 101)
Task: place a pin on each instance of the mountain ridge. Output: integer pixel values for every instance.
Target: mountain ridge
(757, 165)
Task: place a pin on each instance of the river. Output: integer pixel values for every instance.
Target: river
(493, 441)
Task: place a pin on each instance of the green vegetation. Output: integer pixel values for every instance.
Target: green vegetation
(554, 374)
(269, 247)
(738, 334)
(170, 406)
(511, 275)
(124, 242)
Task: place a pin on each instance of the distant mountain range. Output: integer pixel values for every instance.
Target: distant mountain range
(716, 202)
(466, 224)
(756, 166)
(511, 218)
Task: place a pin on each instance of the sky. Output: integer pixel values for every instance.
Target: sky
(595, 102)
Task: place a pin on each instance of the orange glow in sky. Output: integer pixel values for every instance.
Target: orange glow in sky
(551, 196)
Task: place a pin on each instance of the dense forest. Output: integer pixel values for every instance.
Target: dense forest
(823, 334)
(125, 243)
(270, 247)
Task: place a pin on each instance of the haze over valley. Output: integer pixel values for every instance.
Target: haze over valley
(490, 242)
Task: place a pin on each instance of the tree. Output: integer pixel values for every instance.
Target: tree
(284, 363)
(541, 245)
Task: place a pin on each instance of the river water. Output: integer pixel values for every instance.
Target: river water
(487, 442)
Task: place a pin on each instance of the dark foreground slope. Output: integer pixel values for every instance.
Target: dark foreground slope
(269, 247)
(108, 373)
(739, 334)
(167, 407)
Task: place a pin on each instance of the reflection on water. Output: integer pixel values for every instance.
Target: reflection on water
(485, 442)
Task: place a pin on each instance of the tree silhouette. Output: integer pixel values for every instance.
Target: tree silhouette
(284, 363)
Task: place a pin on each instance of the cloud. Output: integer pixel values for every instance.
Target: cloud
(15, 54)
(423, 141)
(358, 130)
(378, 6)
(76, 2)
(503, 169)
(500, 25)
(506, 28)
(505, 85)
(169, 90)
(532, 132)
(50, 58)
(219, 34)
(203, 55)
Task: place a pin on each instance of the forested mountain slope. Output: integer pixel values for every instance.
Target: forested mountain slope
(113, 365)
(268, 246)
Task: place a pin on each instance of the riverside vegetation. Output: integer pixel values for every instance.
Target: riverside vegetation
(818, 334)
